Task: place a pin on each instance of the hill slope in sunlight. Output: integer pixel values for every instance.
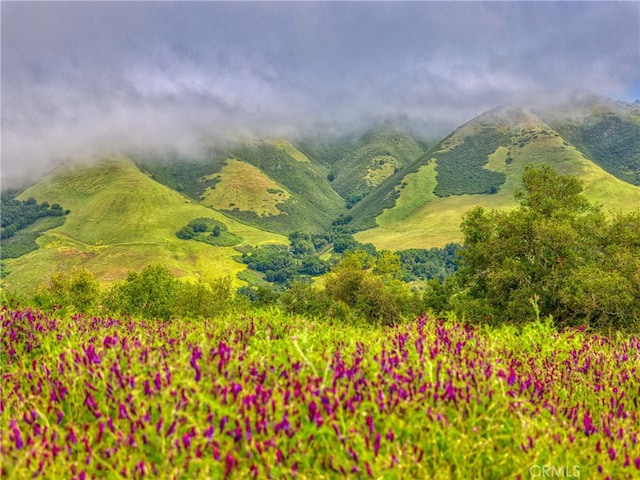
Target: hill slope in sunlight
(479, 164)
(123, 220)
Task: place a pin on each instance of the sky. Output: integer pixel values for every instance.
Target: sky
(80, 79)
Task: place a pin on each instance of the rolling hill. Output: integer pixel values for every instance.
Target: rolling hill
(479, 164)
(123, 220)
(393, 188)
(359, 163)
(285, 186)
(267, 183)
(606, 132)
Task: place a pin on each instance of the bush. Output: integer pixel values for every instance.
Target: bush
(150, 293)
(186, 233)
(219, 234)
(203, 299)
(302, 298)
(261, 296)
(367, 285)
(198, 226)
(76, 290)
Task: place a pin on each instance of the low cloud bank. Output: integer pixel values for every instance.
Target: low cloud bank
(89, 79)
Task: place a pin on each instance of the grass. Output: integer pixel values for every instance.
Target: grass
(415, 190)
(497, 161)
(313, 204)
(373, 157)
(244, 187)
(264, 395)
(122, 220)
(380, 168)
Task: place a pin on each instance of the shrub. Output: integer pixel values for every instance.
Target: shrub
(203, 299)
(367, 285)
(76, 290)
(150, 293)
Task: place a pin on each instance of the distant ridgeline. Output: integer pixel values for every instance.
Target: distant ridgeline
(23, 221)
(230, 209)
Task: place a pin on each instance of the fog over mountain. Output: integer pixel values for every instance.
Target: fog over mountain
(86, 78)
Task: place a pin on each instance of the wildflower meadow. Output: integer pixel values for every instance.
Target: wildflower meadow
(271, 396)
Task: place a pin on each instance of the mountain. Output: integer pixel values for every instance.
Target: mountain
(286, 186)
(481, 164)
(267, 183)
(606, 132)
(120, 220)
(359, 163)
(388, 184)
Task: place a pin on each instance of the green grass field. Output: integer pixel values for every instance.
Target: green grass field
(264, 395)
(122, 220)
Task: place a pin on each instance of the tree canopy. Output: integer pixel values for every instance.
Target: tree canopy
(557, 250)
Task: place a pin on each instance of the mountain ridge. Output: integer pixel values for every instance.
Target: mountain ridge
(394, 188)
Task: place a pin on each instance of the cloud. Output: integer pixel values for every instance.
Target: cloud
(81, 79)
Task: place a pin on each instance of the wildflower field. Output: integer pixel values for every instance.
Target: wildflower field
(270, 396)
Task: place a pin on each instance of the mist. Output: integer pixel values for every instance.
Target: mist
(88, 79)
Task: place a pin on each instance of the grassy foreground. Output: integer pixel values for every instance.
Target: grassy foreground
(267, 396)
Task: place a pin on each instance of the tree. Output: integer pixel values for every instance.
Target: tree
(8, 231)
(313, 265)
(150, 293)
(357, 282)
(186, 233)
(203, 299)
(77, 290)
(555, 247)
(198, 226)
(550, 194)
(388, 265)
(301, 243)
(303, 298)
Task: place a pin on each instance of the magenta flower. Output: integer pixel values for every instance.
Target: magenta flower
(195, 356)
(376, 444)
(17, 437)
(589, 427)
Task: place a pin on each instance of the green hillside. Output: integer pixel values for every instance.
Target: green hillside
(416, 217)
(269, 184)
(121, 220)
(377, 155)
(312, 205)
(383, 182)
(360, 163)
(607, 133)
